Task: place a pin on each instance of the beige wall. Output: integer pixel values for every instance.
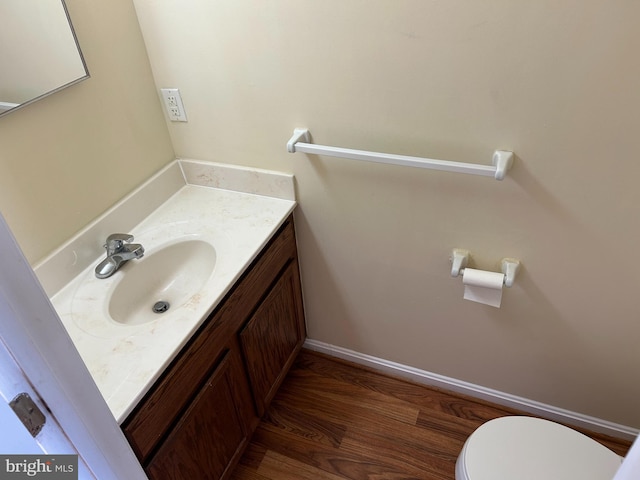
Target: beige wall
(556, 82)
(67, 158)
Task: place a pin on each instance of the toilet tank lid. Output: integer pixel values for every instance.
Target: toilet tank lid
(529, 448)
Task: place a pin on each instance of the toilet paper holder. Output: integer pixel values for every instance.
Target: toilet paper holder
(460, 259)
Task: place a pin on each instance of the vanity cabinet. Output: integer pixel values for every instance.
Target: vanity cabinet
(199, 416)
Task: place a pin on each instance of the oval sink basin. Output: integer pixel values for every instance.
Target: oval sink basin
(169, 278)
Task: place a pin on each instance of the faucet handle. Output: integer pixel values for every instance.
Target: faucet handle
(115, 242)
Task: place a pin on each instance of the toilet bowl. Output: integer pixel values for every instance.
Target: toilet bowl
(526, 448)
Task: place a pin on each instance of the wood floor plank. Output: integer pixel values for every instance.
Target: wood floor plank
(245, 472)
(346, 403)
(340, 462)
(280, 466)
(430, 399)
(372, 431)
(252, 457)
(333, 420)
(357, 420)
(363, 394)
(407, 453)
(452, 426)
(301, 424)
(351, 462)
(427, 398)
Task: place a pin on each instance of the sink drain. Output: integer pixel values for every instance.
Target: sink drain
(160, 307)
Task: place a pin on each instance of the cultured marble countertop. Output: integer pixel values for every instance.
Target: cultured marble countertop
(125, 360)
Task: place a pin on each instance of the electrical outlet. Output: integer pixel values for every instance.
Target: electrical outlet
(173, 104)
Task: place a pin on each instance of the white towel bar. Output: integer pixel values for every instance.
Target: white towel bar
(502, 160)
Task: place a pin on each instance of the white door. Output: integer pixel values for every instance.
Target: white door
(40, 358)
(15, 438)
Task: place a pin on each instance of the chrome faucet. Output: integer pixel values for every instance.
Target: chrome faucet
(119, 251)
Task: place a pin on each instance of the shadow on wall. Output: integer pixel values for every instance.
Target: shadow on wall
(318, 277)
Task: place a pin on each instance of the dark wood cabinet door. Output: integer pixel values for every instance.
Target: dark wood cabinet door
(273, 336)
(208, 436)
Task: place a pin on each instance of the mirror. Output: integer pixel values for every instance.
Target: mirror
(39, 53)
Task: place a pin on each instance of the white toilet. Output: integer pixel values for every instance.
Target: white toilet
(525, 448)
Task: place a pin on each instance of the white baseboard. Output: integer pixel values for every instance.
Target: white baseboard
(433, 379)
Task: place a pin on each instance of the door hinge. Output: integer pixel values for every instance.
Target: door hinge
(28, 413)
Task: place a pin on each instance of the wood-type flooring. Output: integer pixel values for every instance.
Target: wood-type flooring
(334, 420)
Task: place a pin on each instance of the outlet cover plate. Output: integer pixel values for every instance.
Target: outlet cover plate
(173, 104)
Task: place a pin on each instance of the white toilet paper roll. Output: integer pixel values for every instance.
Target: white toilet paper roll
(483, 287)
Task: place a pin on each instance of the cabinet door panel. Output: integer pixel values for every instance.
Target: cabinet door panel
(272, 337)
(208, 436)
